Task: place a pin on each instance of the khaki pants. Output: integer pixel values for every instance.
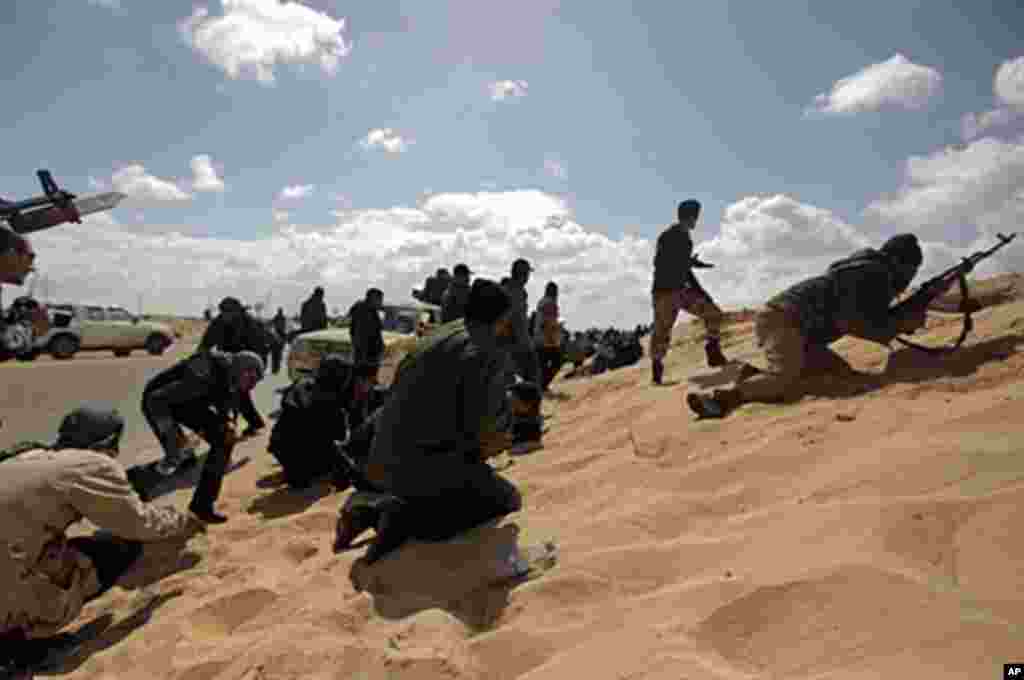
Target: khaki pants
(667, 305)
(789, 358)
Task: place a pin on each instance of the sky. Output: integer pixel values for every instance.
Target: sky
(266, 147)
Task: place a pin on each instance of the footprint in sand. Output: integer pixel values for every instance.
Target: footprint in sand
(317, 522)
(300, 551)
(222, 616)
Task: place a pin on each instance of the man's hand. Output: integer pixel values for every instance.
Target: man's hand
(695, 261)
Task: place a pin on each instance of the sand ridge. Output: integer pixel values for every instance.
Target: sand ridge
(867, 531)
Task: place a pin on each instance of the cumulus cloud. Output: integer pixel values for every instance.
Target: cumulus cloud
(251, 37)
(137, 184)
(1008, 88)
(503, 89)
(386, 139)
(296, 191)
(204, 175)
(894, 83)
(556, 168)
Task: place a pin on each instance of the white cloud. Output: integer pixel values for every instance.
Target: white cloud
(386, 139)
(97, 184)
(251, 37)
(137, 184)
(296, 191)
(503, 89)
(1008, 88)
(204, 175)
(556, 168)
(894, 83)
(108, 4)
(280, 216)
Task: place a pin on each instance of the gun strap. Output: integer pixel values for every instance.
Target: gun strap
(967, 307)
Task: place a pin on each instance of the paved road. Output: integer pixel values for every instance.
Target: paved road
(35, 396)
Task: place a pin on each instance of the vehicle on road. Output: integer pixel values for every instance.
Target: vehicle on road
(402, 324)
(91, 327)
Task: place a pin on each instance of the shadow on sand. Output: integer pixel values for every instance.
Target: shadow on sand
(284, 501)
(459, 576)
(151, 485)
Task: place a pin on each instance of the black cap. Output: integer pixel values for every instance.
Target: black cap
(461, 270)
(87, 427)
(521, 265)
(487, 302)
(904, 247)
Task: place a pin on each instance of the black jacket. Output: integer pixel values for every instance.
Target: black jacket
(240, 334)
(313, 315)
(672, 257)
(453, 302)
(204, 378)
(366, 332)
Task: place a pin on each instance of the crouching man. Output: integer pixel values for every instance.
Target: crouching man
(428, 458)
(317, 416)
(48, 577)
(201, 393)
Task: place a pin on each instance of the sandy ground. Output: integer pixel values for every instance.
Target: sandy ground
(870, 530)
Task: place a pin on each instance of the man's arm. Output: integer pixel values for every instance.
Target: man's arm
(213, 337)
(481, 395)
(864, 298)
(97, 487)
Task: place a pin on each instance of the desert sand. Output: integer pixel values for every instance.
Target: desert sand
(871, 530)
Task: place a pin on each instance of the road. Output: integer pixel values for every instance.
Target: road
(35, 396)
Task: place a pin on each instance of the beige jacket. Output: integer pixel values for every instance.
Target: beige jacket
(41, 494)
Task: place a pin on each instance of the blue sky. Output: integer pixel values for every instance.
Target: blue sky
(627, 110)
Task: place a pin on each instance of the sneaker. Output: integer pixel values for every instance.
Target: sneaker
(705, 406)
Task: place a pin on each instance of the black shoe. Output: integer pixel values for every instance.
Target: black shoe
(705, 406)
(207, 515)
(713, 350)
(657, 371)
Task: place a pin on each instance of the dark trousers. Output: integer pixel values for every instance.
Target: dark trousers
(550, 364)
(247, 409)
(204, 421)
(112, 557)
(527, 366)
(275, 358)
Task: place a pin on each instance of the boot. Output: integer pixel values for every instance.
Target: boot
(713, 350)
(207, 514)
(657, 371)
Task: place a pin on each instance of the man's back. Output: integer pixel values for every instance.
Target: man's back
(441, 397)
(672, 258)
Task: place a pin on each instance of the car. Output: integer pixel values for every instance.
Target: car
(402, 325)
(92, 327)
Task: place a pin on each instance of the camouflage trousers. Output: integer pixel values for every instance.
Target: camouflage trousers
(789, 359)
(667, 305)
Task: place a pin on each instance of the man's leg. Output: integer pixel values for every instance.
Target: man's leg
(275, 358)
(696, 301)
(784, 347)
(158, 409)
(213, 429)
(666, 309)
(483, 495)
(111, 557)
(248, 411)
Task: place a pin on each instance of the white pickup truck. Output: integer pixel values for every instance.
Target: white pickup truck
(90, 327)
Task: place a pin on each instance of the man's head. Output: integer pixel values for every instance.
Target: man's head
(375, 296)
(318, 292)
(231, 307)
(247, 370)
(16, 257)
(334, 374)
(462, 273)
(551, 290)
(489, 304)
(904, 252)
(98, 429)
(442, 273)
(521, 271)
(688, 212)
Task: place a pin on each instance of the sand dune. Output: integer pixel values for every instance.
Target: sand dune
(871, 530)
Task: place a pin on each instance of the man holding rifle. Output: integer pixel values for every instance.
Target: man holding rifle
(853, 297)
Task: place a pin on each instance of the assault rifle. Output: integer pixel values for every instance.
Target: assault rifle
(55, 206)
(935, 287)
